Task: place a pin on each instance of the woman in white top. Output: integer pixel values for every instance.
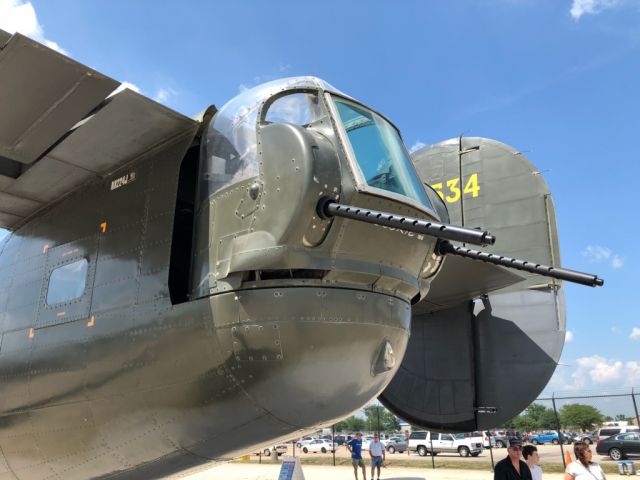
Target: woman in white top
(583, 468)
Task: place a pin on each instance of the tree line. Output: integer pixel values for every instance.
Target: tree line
(376, 419)
(570, 416)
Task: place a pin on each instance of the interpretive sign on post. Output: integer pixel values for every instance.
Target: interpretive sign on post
(291, 469)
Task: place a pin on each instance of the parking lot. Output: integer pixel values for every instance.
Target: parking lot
(549, 454)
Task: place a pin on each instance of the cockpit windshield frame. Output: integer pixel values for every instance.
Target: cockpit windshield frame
(360, 180)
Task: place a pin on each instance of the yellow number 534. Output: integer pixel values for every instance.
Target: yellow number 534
(453, 192)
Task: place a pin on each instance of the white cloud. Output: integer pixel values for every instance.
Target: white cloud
(20, 16)
(635, 334)
(596, 369)
(615, 330)
(416, 146)
(617, 262)
(633, 373)
(598, 254)
(594, 374)
(591, 7)
(164, 94)
(568, 336)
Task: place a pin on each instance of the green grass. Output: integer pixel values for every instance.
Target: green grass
(425, 462)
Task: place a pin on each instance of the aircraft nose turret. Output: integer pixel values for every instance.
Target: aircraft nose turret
(310, 356)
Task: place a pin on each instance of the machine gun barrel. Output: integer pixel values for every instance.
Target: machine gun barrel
(554, 272)
(328, 208)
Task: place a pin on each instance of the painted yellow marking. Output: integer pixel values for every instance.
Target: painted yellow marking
(453, 188)
(453, 193)
(31, 333)
(103, 227)
(69, 252)
(438, 188)
(92, 321)
(61, 314)
(45, 248)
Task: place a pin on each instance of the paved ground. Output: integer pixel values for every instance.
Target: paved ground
(237, 471)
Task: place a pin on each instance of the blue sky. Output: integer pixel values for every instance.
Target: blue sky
(557, 79)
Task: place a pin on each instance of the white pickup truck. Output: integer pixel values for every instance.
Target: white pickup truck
(433, 443)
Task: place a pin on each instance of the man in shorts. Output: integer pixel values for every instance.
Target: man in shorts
(355, 447)
(377, 453)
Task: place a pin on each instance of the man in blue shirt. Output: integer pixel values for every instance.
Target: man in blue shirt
(355, 447)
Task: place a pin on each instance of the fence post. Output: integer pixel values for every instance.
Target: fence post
(433, 457)
(333, 443)
(560, 436)
(491, 453)
(635, 406)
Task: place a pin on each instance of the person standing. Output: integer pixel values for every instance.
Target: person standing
(355, 447)
(377, 454)
(531, 456)
(583, 468)
(512, 468)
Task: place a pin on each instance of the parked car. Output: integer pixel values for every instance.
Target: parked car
(607, 432)
(433, 443)
(620, 445)
(319, 445)
(488, 439)
(545, 437)
(396, 444)
(278, 449)
(339, 439)
(366, 440)
(501, 439)
(305, 441)
(588, 437)
(470, 443)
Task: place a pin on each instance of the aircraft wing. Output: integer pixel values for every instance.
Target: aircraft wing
(60, 128)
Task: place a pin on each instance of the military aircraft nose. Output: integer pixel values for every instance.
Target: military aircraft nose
(309, 356)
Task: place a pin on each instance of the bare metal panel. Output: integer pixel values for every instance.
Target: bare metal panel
(4, 37)
(128, 126)
(5, 182)
(48, 180)
(8, 219)
(46, 93)
(17, 205)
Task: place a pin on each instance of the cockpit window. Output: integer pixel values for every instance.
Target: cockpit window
(380, 153)
(300, 108)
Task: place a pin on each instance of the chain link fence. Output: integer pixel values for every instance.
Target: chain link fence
(558, 420)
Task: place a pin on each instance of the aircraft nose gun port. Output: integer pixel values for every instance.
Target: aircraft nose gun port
(328, 208)
(560, 273)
